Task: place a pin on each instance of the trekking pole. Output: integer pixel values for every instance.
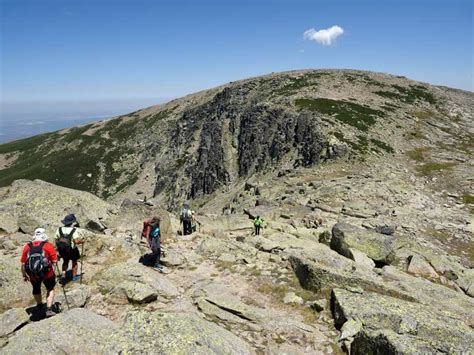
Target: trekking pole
(82, 258)
(64, 290)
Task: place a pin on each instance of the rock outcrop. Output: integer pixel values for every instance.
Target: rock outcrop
(396, 326)
(73, 332)
(379, 247)
(174, 333)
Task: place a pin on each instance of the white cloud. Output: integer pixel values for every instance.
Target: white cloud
(325, 37)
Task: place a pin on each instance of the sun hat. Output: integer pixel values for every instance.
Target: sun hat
(40, 235)
(69, 219)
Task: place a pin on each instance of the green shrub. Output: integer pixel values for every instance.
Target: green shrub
(361, 117)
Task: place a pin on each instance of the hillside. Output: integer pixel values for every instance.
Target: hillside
(364, 182)
(193, 146)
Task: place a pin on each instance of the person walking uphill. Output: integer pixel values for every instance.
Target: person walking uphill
(186, 218)
(68, 238)
(257, 222)
(37, 261)
(152, 232)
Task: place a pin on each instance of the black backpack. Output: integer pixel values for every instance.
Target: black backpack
(63, 244)
(36, 263)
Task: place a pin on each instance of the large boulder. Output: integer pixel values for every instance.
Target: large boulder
(13, 290)
(379, 247)
(27, 205)
(396, 326)
(78, 331)
(320, 269)
(134, 283)
(76, 297)
(173, 333)
(13, 319)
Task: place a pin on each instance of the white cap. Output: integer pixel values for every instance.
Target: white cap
(40, 235)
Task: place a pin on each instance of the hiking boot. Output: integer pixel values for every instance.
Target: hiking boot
(158, 267)
(49, 312)
(76, 278)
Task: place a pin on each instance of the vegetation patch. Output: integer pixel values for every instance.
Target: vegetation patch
(297, 83)
(468, 199)
(382, 145)
(409, 94)
(361, 117)
(418, 154)
(431, 168)
(152, 120)
(423, 114)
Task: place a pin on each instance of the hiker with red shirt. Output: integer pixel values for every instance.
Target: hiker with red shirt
(37, 262)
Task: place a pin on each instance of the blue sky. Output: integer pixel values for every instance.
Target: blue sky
(82, 51)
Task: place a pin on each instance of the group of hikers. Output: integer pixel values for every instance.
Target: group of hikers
(40, 257)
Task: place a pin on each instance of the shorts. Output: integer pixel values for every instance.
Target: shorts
(73, 255)
(48, 283)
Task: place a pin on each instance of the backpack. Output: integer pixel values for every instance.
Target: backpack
(63, 244)
(36, 263)
(186, 215)
(146, 228)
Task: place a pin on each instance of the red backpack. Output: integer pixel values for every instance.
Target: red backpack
(146, 228)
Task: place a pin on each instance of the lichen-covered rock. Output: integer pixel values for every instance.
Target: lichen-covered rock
(378, 247)
(78, 331)
(400, 326)
(318, 269)
(173, 333)
(135, 283)
(13, 290)
(418, 266)
(76, 297)
(172, 258)
(133, 292)
(466, 281)
(12, 319)
(41, 204)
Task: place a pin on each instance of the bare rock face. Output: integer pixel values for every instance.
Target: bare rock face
(173, 333)
(87, 333)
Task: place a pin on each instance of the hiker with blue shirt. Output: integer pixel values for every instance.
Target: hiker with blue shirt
(67, 239)
(152, 233)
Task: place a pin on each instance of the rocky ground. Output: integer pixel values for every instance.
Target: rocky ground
(325, 276)
(364, 182)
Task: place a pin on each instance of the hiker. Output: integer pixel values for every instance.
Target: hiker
(37, 262)
(152, 233)
(186, 219)
(68, 238)
(257, 222)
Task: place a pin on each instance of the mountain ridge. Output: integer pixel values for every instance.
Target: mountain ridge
(124, 145)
